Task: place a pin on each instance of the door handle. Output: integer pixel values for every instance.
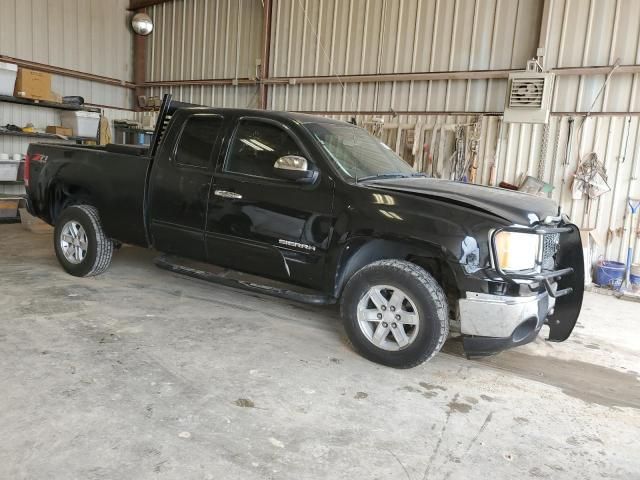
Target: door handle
(226, 194)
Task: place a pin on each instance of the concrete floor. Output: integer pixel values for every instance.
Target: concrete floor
(140, 373)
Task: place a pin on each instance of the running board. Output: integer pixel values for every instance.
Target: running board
(166, 263)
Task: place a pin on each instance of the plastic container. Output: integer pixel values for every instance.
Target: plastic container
(610, 274)
(83, 124)
(9, 170)
(8, 74)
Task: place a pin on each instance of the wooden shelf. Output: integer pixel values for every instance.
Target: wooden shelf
(46, 104)
(48, 136)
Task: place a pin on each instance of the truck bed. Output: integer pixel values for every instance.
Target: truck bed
(112, 176)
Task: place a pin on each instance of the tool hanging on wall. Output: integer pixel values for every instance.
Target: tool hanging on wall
(374, 126)
(554, 158)
(474, 144)
(567, 156)
(567, 153)
(590, 180)
(457, 159)
(437, 148)
(634, 206)
(542, 159)
(461, 164)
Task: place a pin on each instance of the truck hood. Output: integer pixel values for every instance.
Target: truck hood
(515, 207)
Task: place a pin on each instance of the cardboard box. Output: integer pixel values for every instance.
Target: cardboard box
(33, 84)
(9, 207)
(57, 130)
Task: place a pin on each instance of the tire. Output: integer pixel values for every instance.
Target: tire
(424, 304)
(97, 247)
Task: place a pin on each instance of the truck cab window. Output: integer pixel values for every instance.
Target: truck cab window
(256, 147)
(197, 140)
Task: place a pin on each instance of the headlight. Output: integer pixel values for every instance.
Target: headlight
(517, 251)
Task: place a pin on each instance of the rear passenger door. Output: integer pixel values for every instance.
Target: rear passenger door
(179, 185)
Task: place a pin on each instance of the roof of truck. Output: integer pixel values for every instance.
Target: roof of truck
(272, 114)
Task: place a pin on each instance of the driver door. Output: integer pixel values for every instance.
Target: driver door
(260, 222)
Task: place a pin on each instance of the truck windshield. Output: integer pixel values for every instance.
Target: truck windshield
(358, 154)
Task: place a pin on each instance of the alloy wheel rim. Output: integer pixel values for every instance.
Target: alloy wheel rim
(388, 317)
(73, 242)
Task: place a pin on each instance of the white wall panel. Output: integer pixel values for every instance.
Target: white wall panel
(206, 39)
(241, 96)
(87, 35)
(352, 37)
(587, 33)
(349, 37)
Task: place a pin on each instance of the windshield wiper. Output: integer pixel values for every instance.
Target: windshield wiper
(382, 175)
(391, 175)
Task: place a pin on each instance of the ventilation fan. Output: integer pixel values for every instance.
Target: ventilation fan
(529, 96)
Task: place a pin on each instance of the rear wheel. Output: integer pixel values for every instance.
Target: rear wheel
(81, 245)
(395, 313)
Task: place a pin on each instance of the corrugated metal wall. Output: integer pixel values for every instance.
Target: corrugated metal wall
(203, 39)
(591, 33)
(353, 37)
(90, 36)
(220, 39)
(86, 35)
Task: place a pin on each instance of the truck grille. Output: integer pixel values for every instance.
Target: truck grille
(549, 248)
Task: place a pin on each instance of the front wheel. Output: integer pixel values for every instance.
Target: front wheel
(395, 313)
(81, 245)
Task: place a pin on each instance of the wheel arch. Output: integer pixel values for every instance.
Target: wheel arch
(361, 252)
(62, 195)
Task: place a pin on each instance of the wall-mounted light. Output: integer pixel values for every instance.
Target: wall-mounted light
(142, 24)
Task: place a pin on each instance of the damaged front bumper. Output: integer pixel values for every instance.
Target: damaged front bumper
(490, 323)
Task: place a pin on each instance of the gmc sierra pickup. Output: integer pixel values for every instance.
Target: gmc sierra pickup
(330, 211)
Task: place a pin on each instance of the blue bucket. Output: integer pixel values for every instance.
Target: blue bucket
(610, 274)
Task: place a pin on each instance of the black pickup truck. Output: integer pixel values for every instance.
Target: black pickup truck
(329, 211)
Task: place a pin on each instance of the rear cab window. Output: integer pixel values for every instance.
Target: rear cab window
(198, 140)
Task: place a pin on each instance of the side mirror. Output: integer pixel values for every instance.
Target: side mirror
(295, 168)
